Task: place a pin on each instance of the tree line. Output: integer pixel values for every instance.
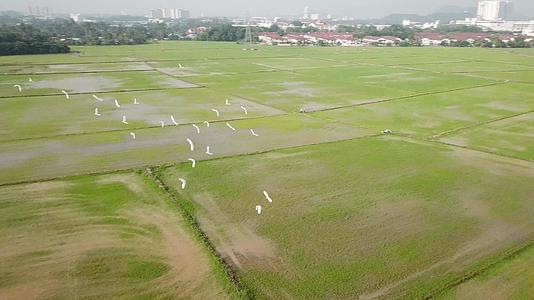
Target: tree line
(25, 39)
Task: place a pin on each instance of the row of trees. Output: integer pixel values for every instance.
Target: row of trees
(25, 39)
(517, 43)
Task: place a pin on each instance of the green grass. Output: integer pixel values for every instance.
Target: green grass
(426, 116)
(352, 217)
(323, 88)
(354, 214)
(72, 68)
(510, 137)
(510, 279)
(76, 115)
(99, 152)
(53, 84)
(107, 236)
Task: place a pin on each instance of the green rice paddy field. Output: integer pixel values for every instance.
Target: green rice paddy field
(95, 208)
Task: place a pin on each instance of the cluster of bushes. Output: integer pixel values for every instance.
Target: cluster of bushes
(24, 39)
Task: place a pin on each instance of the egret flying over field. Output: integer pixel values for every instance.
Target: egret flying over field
(135, 101)
(133, 135)
(174, 121)
(193, 162)
(117, 103)
(197, 128)
(180, 66)
(207, 124)
(183, 183)
(208, 152)
(244, 109)
(96, 97)
(258, 209)
(253, 133)
(19, 87)
(215, 111)
(230, 126)
(227, 102)
(66, 94)
(124, 120)
(191, 145)
(162, 124)
(97, 113)
(30, 80)
(267, 197)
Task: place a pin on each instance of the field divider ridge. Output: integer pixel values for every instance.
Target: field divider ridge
(197, 86)
(223, 269)
(175, 163)
(456, 130)
(408, 97)
(135, 128)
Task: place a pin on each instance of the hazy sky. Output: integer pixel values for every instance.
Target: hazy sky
(355, 8)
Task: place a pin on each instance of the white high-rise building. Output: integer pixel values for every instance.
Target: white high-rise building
(493, 10)
(170, 13)
(306, 13)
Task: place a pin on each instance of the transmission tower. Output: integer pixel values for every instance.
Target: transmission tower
(248, 36)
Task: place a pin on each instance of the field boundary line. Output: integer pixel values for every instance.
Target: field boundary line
(197, 86)
(228, 273)
(438, 142)
(135, 128)
(78, 72)
(456, 130)
(408, 97)
(506, 255)
(132, 61)
(175, 163)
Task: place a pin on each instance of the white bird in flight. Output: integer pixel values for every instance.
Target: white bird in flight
(193, 162)
(133, 135)
(258, 209)
(181, 67)
(230, 126)
(227, 102)
(174, 121)
(197, 128)
(19, 87)
(96, 97)
(215, 111)
(267, 197)
(207, 124)
(124, 120)
(191, 145)
(66, 94)
(117, 103)
(135, 101)
(30, 79)
(253, 133)
(97, 113)
(244, 109)
(208, 152)
(162, 124)
(183, 183)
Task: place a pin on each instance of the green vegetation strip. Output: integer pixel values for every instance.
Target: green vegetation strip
(222, 269)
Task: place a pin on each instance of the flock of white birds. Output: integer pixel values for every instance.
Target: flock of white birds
(97, 113)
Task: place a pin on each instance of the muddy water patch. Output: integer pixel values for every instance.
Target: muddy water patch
(79, 84)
